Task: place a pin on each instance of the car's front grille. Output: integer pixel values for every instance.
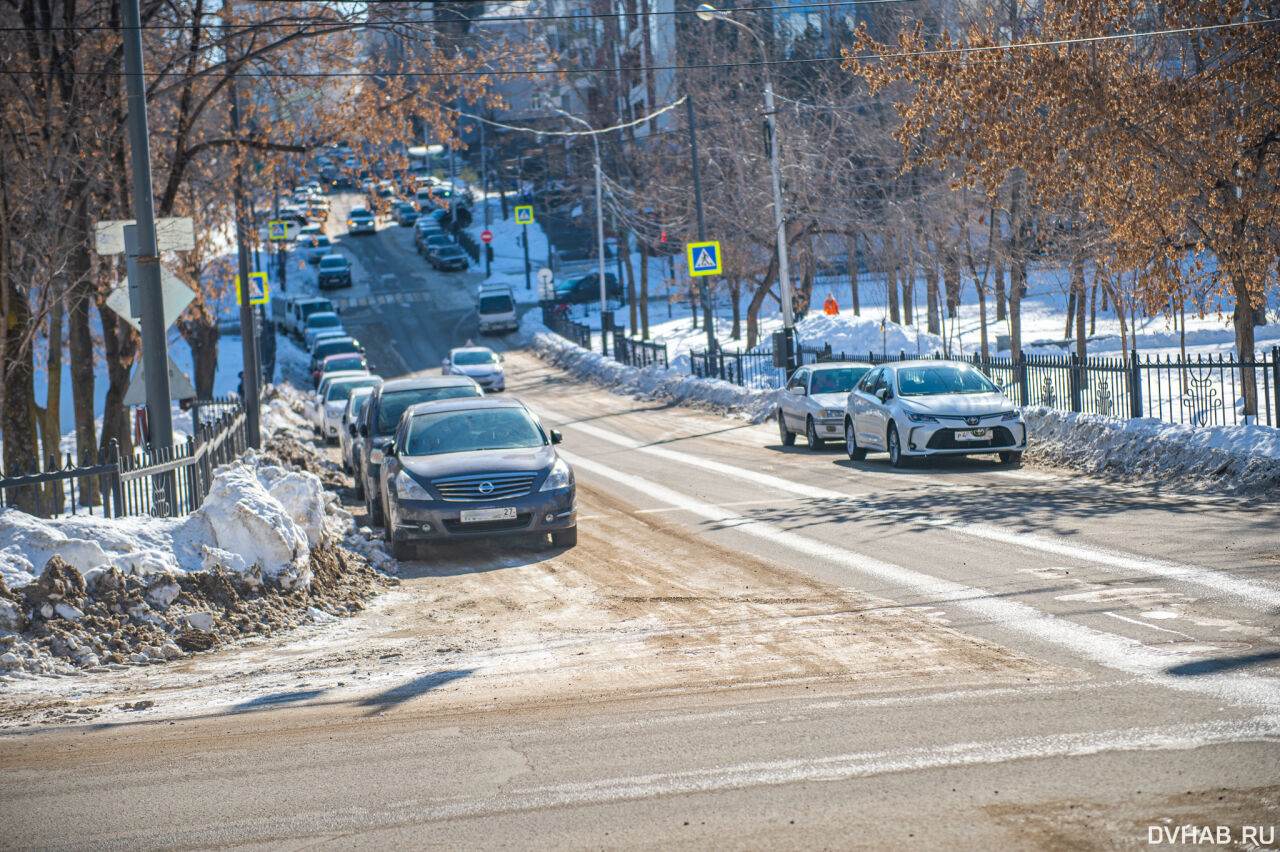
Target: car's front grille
(497, 486)
(945, 439)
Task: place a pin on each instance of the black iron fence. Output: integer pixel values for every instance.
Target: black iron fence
(1198, 391)
(637, 353)
(164, 483)
(574, 332)
(749, 369)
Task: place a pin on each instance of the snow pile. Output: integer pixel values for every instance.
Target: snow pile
(650, 382)
(857, 336)
(268, 548)
(1242, 459)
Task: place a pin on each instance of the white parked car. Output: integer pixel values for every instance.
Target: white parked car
(348, 427)
(316, 323)
(334, 402)
(813, 401)
(315, 405)
(478, 362)
(914, 409)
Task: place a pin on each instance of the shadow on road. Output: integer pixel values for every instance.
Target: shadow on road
(1222, 664)
(398, 695)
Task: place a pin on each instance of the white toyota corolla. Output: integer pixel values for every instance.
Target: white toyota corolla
(913, 409)
(478, 362)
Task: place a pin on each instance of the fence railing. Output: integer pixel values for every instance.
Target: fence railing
(576, 332)
(637, 353)
(163, 483)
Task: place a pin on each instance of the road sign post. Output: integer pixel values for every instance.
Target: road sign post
(486, 237)
(524, 216)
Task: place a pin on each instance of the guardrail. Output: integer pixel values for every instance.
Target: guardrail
(575, 332)
(165, 483)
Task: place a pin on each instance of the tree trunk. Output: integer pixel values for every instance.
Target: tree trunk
(1243, 320)
(934, 320)
(735, 299)
(853, 276)
(1093, 308)
(891, 290)
(17, 421)
(644, 290)
(757, 300)
(120, 344)
(951, 280)
(50, 417)
(1071, 304)
(1078, 287)
(998, 274)
(907, 278)
(624, 246)
(1017, 270)
(80, 346)
(982, 317)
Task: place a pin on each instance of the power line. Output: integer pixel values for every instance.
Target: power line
(480, 20)
(986, 49)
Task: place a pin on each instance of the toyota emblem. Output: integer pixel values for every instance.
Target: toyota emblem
(486, 487)
(972, 421)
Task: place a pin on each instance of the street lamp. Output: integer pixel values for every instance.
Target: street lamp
(604, 298)
(707, 12)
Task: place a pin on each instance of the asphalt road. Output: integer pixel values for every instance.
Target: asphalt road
(752, 647)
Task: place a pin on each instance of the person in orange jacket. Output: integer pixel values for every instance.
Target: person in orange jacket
(830, 307)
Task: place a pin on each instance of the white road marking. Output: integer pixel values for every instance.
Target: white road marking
(1148, 626)
(1108, 649)
(1255, 594)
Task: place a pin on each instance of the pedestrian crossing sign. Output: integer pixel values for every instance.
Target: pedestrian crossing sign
(704, 258)
(258, 293)
(278, 230)
(524, 215)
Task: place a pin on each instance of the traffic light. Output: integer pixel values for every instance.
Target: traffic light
(664, 236)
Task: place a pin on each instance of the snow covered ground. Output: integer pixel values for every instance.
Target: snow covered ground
(270, 546)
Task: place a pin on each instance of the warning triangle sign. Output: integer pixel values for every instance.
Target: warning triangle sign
(704, 260)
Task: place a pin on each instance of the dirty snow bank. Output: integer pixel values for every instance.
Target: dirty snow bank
(269, 547)
(648, 382)
(1241, 459)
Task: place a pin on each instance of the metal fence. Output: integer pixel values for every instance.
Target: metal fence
(637, 353)
(1200, 391)
(164, 483)
(576, 332)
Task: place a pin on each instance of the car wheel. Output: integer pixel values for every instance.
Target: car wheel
(374, 513)
(357, 483)
(788, 437)
(565, 538)
(896, 458)
(811, 435)
(851, 447)
(1012, 458)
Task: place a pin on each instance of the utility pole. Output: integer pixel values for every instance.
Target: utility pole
(708, 321)
(155, 355)
(248, 316)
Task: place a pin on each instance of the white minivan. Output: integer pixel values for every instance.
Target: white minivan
(497, 309)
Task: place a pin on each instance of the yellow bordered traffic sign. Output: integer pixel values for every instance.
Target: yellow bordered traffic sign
(258, 293)
(278, 230)
(704, 258)
(524, 215)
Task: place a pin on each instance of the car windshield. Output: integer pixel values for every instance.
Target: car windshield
(333, 263)
(320, 241)
(451, 251)
(323, 321)
(347, 362)
(439, 240)
(941, 379)
(356, 402)
(359, 211)
(439, 432)
(839, 380)
(471, 357)
(495, 304)
(340, 390)
(394, 404)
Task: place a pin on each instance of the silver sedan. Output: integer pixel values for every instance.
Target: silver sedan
(813, 401)
(914, 409)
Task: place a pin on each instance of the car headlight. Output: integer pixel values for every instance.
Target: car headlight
(833, 412)
(1010, 415)
(561, 476)
(921, 418)
(407, 488)
(350, 223)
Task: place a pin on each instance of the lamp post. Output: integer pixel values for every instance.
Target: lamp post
(604, 297)
(707, 12)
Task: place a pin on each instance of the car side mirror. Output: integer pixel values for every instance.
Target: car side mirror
(364, 430)
(882, 394)
(798, 390)
(389, 450)
(351, 429)
(556, 437)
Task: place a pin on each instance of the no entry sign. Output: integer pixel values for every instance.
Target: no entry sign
(486, 236)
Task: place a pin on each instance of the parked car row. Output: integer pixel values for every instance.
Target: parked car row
(908, 409)
(435, 459)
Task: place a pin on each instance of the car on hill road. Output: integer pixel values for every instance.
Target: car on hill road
(334, 271)
(812, 403)
(449, 259)
(917, 409)
(479, 363)
(361, 221)
(334, 402)
(475, 468)
(318, 322)
(348, 431)
(382, 413)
